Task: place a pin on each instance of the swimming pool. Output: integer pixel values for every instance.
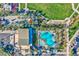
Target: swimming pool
(48, 38)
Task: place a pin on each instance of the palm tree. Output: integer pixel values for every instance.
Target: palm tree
(1, 26)
(3, 53)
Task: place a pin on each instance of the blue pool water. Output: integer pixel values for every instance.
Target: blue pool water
(48, 37)
(31, 32)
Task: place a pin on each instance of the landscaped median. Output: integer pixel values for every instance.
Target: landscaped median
(73, 28)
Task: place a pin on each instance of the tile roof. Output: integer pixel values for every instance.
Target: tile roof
(4, 35)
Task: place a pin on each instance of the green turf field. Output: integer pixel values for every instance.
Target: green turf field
(52, 11)
(22, 5)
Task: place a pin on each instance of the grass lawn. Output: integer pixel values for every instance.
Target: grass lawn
(52, 11)
(73, 29)
(22, 5)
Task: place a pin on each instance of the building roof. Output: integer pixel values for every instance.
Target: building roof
(4, 35)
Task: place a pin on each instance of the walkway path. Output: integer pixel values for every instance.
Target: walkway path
(68, 44)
